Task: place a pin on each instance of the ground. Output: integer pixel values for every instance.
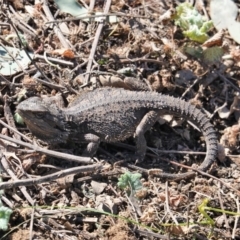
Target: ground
(141, 45)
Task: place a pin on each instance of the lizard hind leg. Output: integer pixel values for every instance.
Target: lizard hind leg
(146, 123)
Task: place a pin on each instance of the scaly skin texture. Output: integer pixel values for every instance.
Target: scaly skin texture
(111, 115)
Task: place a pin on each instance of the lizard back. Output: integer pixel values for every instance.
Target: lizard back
(113, 114)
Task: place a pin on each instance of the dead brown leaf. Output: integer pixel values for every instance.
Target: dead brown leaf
(230, 136)
(67, 53)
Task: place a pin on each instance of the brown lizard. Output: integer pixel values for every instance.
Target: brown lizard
(111, 115)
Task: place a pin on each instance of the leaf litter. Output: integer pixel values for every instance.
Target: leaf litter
(136, 46)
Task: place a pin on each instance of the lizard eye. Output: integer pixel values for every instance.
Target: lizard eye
(39, 115)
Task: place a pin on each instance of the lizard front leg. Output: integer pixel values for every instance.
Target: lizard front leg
(93, 143)
(146, 123)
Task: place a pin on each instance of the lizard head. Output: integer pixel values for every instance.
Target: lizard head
(44, 119)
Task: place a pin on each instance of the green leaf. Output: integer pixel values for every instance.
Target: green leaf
(193, 24)
(72, 7)
(130, 180)
(5, 213)
(75, 9)
(234, 31)
(9, 65)
(195, 34)
(212, 55)
(223, 12)
(18, 119)
(193, 51)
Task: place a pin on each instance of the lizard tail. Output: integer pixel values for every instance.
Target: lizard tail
(195, 115)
